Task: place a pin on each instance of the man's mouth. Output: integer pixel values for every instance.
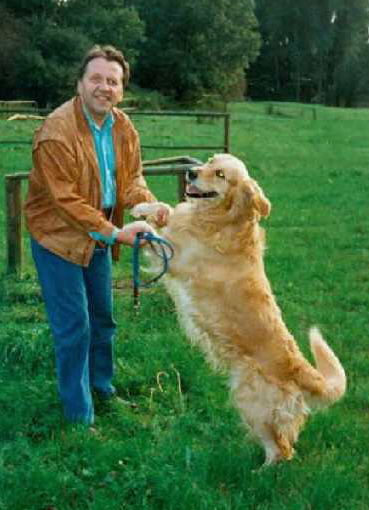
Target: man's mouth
(103, 99)
(194, 192)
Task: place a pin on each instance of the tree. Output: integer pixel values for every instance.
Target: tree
(12, 40)
(297, 37)
(105, 22)
(311, 50)
(23, 9)
(46, 67)
(49, 37)
(351, 21)
(195, 47)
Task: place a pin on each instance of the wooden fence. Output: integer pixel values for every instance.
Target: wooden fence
(176, 166)
(224, 146)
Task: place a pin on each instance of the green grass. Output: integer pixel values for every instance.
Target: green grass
(182, 446)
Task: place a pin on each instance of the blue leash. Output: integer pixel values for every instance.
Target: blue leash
(158, 245)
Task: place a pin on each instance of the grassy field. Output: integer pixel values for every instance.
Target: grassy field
(182, 446)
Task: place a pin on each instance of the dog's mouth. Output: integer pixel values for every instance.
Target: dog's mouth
(194, 192)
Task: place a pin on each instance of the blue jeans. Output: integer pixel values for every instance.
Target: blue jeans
(79, 307)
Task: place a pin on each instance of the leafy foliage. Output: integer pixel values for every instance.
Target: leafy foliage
(184, 49)
(53, 40)
(312, 51)
(195, 47)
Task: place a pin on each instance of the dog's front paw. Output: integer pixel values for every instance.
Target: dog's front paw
(154, 212)
(141, 210)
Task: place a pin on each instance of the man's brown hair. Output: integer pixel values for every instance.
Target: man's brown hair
(109, 53)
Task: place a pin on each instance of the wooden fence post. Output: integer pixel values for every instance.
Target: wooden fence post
(227, 130)
(181, 187)
(177, 165)
(13, 187)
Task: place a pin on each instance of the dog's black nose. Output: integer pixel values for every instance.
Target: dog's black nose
(191, 174)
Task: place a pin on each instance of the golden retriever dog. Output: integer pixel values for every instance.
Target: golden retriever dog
(225, 304)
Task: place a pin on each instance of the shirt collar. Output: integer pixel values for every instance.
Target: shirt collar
(108, 122)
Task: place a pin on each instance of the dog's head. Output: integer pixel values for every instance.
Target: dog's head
(224, 181)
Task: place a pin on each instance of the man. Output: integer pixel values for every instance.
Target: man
(86, 171)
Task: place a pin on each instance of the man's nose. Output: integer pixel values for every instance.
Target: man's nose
(104, 85)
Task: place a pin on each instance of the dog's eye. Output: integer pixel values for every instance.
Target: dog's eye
(220, 174)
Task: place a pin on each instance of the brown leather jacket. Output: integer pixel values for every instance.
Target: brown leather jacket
(64, 196)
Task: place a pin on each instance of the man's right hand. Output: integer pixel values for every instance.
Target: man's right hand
(127, 234)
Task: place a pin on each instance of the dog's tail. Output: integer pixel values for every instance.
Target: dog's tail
(329, 366)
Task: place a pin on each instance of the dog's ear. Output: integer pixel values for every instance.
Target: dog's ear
(262, 204)
(257, 198)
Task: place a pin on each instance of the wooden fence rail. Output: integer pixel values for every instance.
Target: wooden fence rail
(176, 166)
(224, 146)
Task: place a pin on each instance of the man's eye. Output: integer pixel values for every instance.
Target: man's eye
(220, 174)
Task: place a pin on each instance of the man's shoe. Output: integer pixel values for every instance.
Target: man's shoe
(112, 401)
(120, 401)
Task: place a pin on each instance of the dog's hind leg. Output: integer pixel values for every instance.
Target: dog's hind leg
(276, 447)
(258, 400)
(274, 414)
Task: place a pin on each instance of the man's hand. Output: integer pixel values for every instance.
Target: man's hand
(127, 234)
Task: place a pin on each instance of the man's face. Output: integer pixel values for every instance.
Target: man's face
(101, 87)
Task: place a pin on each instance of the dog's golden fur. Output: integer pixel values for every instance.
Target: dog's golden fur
(225, 304)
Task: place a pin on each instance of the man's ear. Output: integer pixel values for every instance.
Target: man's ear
(258, 199)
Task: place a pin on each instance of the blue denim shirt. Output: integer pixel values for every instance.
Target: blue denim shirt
(104, 148)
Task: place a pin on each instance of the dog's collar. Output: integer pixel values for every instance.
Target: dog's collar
(209, 194)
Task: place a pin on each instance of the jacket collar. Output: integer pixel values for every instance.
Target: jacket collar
(86, 137)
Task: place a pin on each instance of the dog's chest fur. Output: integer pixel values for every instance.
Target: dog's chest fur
(189, 316)
(196, 284)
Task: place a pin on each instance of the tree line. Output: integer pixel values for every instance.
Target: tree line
(286, 49)
(313, 51)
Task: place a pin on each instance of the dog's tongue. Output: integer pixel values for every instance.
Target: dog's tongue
(193, 189)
